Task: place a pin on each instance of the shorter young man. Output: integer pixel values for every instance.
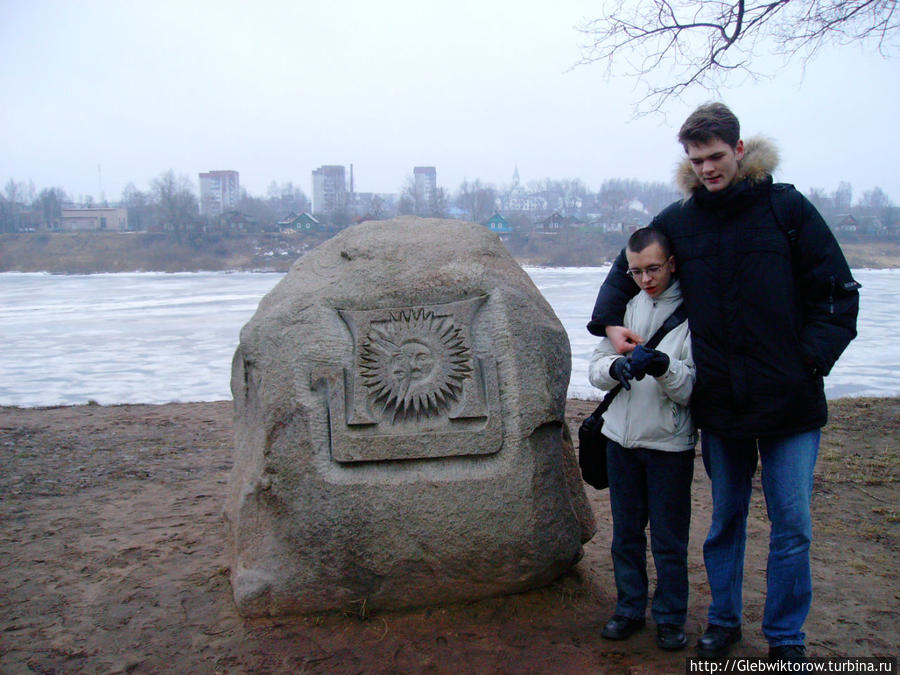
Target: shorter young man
(650, 451)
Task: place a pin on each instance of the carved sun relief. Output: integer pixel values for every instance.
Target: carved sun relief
(416, 386)
(414, 363)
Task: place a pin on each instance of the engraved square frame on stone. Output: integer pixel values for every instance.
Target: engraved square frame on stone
(417, 388)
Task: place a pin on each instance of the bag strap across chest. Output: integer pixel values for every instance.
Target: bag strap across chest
(674, 319)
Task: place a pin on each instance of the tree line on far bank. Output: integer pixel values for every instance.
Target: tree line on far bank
(170, 204)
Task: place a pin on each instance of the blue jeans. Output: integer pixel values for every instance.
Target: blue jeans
(787, 481)
(650, 486)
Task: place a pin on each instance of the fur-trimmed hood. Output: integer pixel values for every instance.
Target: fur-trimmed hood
(760, 160)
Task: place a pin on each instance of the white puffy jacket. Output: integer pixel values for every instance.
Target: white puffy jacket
(654, 413)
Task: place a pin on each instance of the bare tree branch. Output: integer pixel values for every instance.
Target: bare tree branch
(669, 46)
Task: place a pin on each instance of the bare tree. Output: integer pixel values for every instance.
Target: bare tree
(411, 200)
(843, 196)
(13, 191)
(174, 197)
(563, 195)
(286, 198)
(672, 45)
(377, 208)
(140, 207)
(823, 201)
(439, 203)
(655, 196)
(875, 203)
(10, 207)
(615, 196)
(476, 199)
(49, 203)
(875, 200)
(266, 212)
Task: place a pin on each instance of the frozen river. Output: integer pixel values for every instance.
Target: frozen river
(157, 338)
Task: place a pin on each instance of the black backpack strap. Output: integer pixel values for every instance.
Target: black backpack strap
(675, 318)
(785, 203)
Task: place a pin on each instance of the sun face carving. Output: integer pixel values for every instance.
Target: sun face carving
(414, 363)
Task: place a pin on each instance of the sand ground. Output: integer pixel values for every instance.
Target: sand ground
(112, 560)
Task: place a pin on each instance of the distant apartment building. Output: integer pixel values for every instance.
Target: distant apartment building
(329, 189)
(79, 220)
(220, 191)
(426, 184)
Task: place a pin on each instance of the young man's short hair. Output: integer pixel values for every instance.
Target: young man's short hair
(710, 122)
(645, 236)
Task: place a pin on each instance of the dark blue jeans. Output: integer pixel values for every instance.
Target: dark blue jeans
(650, 486)
(787, 481)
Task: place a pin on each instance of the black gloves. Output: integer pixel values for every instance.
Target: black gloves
(621, 371)
(648, 361)
(642, 361)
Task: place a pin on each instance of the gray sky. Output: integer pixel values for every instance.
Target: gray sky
(274, 89)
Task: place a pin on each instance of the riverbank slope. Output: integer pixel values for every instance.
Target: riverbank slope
(109, 252)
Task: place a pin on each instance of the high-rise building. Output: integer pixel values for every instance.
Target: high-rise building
(426, 184)
(329, 189)
(220, 191)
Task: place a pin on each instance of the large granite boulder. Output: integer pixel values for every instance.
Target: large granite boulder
(399, 410)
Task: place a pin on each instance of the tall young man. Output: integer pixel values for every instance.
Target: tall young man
(771, 304)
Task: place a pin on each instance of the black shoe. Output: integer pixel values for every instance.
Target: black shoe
(716, 642)
(670, 637)
(621, 627)
(788, 653)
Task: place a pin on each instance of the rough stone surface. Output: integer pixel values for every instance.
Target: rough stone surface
(399, 413)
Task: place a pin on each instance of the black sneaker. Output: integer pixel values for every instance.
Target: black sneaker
(621, 627)
(670, 637)
(788, 653)
(717, 641)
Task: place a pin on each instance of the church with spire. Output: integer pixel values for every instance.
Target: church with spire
(516, 199)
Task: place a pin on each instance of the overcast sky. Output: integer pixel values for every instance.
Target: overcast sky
(475, 88)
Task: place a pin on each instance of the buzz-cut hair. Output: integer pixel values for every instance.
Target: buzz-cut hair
(644, 237)
(710, 122)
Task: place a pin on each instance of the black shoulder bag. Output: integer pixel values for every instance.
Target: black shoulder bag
(591, 441)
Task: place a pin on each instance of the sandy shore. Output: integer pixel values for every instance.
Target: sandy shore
(113, 561)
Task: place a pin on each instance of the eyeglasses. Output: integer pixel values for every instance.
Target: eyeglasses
(650, 270)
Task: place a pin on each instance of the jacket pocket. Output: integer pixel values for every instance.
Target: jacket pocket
(682, 422)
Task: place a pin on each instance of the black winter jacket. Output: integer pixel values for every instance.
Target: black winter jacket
(769, 316)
